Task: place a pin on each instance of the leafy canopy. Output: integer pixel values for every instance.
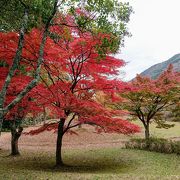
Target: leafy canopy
(149, 100)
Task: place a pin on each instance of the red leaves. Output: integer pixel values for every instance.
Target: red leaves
(8, 46)
(111, 125)
(150, 100)
(163, 84)
(73, 72)
(47, 127)
(28, 103)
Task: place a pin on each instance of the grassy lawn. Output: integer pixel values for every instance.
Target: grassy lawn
(95, 163)
(107, 163)
(161, 132)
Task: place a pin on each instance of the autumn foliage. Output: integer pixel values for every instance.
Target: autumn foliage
(17, 114)
(76, 65)
(149, 100)
(73, 72)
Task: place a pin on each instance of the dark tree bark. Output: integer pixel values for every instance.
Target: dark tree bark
(15, 135)
(59, 161)
(147, 135)
(146, 127)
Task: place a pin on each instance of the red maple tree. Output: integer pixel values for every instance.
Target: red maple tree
(76, 65)
(75, 68)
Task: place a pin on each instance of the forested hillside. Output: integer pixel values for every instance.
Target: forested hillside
(157, 69)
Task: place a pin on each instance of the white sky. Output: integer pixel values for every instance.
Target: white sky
(155, 29)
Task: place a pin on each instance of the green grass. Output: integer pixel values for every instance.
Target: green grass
(96, 164)
(166, 133)
(161, 132)
(107, 163)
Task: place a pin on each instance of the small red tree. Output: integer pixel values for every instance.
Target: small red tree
(78, 66)
(149, 99)
(17, 114)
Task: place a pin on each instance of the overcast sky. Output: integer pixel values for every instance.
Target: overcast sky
(155, 29)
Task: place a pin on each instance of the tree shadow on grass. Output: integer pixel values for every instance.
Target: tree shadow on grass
(110, 167)
(80, 163)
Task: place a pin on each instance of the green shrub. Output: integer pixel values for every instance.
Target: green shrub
(176, 147)
(155, 144)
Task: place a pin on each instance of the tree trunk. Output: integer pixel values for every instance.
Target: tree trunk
(147, 135)
(60, 134)
(1, 119)
(14, 146)
(14, 66)
(44, 115)
(15, 135)
(34, 82)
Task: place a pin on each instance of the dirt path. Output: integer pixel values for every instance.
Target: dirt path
(86, 138)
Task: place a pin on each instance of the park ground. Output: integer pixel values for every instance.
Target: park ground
(88, 155)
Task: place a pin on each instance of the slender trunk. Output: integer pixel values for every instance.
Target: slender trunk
(14, 66)
(15, 135)
(33, 83)
(147, 135)
(1, 120)
(44, 115)
(59, 161)
(14, 146)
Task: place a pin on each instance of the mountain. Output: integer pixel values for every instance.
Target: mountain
(155, 70)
